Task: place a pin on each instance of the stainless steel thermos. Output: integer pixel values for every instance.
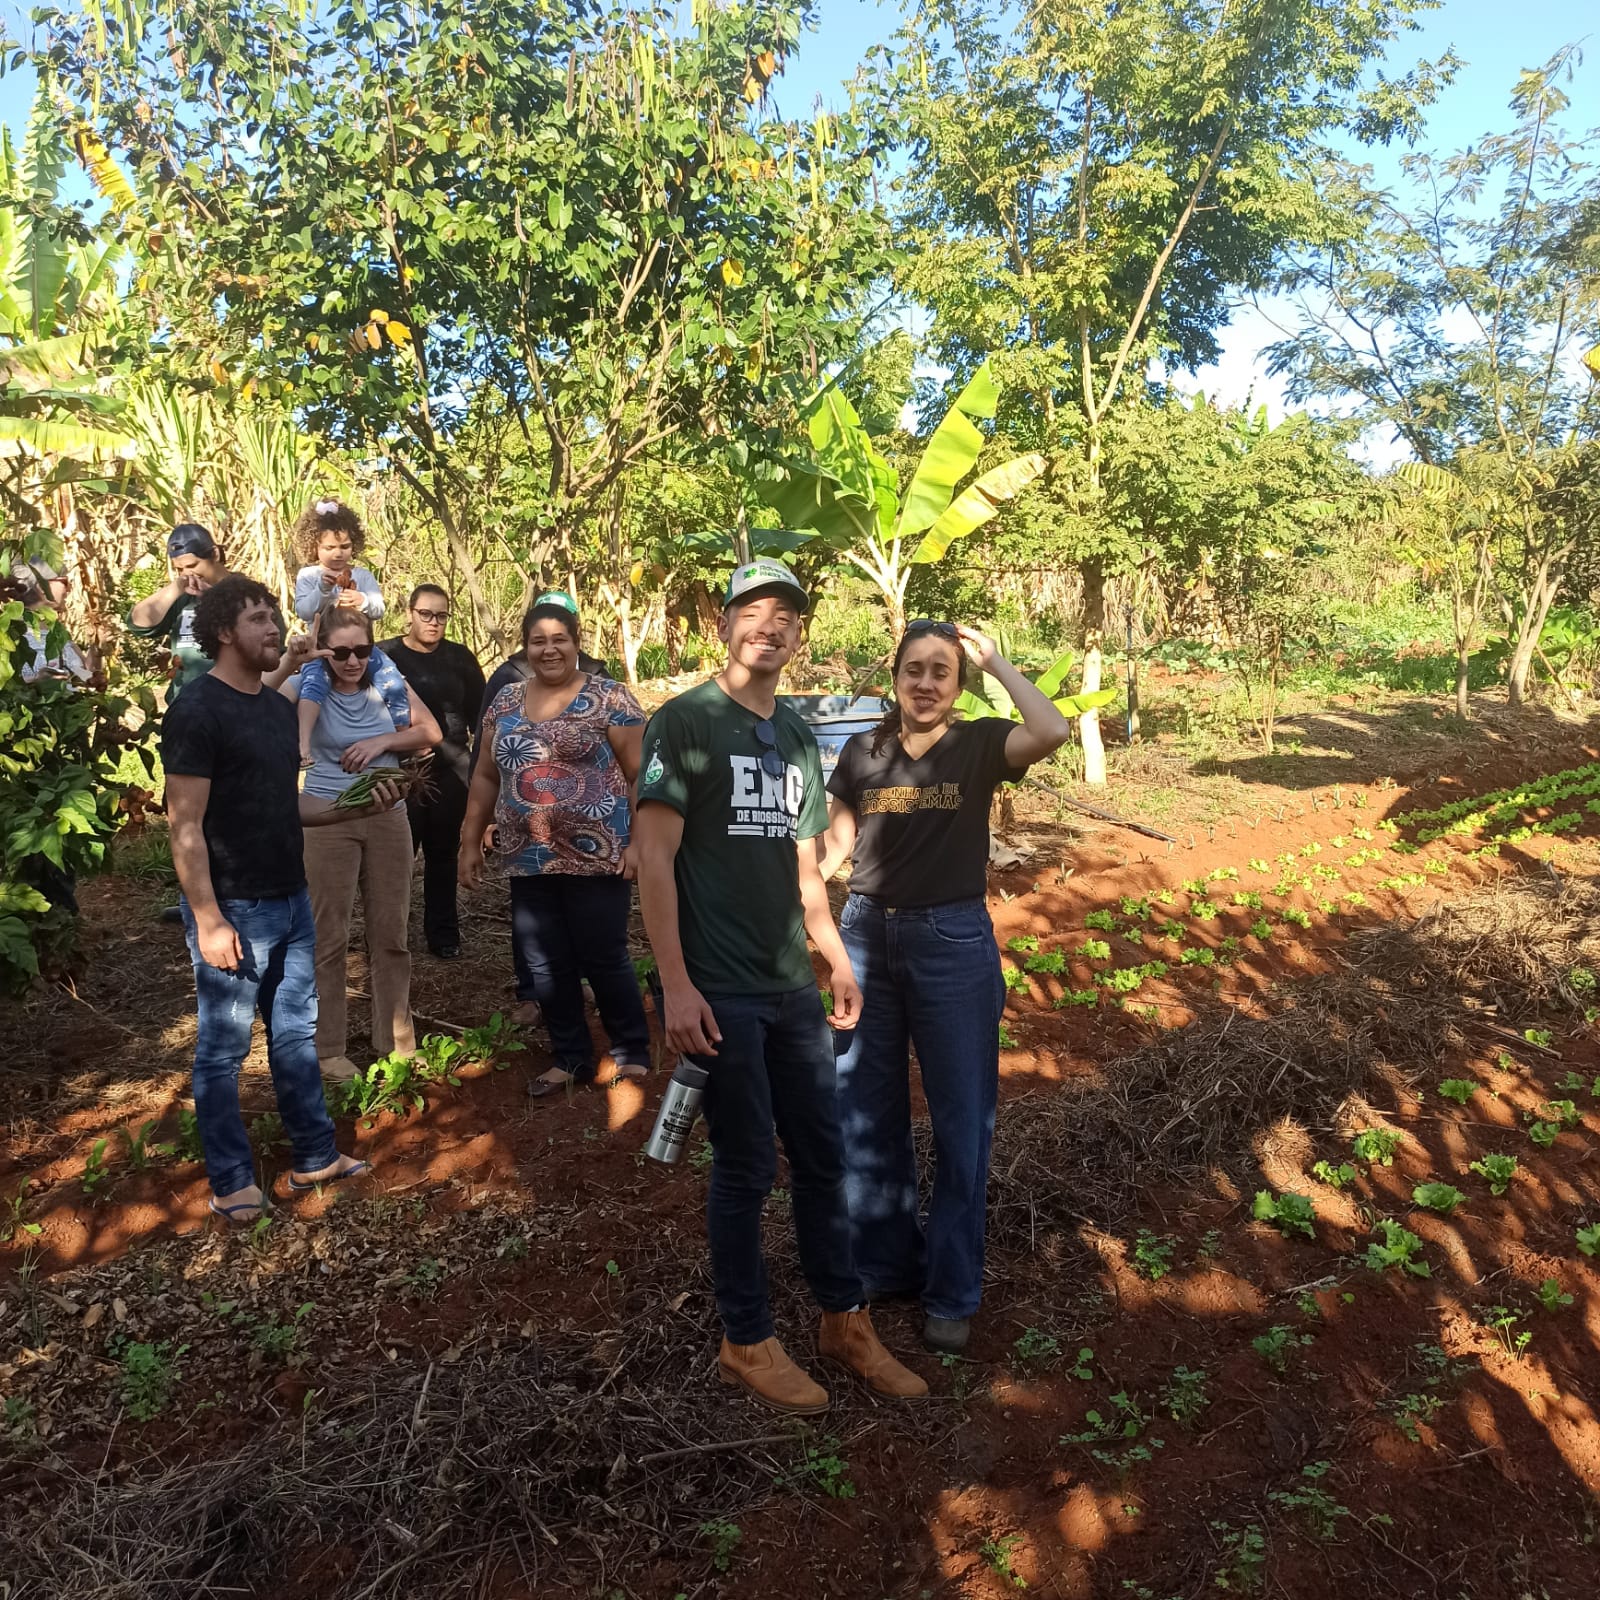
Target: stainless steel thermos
(680, 1105)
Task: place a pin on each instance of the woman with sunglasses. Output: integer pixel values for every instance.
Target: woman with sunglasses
(369, 852)
(910, 807)
(558, 758)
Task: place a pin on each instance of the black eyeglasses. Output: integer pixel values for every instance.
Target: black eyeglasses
(945, 630)
(431, 616)
(771, 762)
(343, 652)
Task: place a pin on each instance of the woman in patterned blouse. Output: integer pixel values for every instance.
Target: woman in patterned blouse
(559, 755)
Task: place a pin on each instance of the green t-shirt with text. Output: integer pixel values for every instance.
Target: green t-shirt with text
(739, 914)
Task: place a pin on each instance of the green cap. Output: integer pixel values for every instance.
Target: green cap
(559, 598)
(756, 577)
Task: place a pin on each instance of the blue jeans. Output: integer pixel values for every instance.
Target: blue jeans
(929, 977)
(774, 1066)
(565, 928)
(277, 975)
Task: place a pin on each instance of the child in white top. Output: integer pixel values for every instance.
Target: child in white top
(328, 537)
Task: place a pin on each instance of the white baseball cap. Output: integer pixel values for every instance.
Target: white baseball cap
(756, 577)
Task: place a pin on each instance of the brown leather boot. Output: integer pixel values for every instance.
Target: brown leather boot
(766, 1371)
(849, 1338)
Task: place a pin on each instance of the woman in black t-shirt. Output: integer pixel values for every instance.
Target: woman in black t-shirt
(910, 806)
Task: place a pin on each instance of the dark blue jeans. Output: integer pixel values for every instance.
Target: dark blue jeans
(565, 928)
(277, 977)
(929, 977)
(774, 1068)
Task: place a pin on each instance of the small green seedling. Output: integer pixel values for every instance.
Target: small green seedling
(1497, 1170)
(1204, 911)
(1277, 1344)
(1139, 910)
(1336, 1177)
(1053, 962)
(1297, 918)
(1023, 944)
(1376, 1146)
(1198, 956)
(1082, 1369)
(997, 1555)
(724, 1538)
(1152, 1255)
(1293, 1213)
(1007, 1042)
(1440, 1197)
(1185, 1396)
(1262, 930)
(1016, 980)
(95, 1176)
(1094, 950)
(1400, 1248)
(1544, 1134)
(1502, 1322)
(1564, 1112)
(1589, 1240)
(1551, 1297)
(1538, 1036)
(1249, 899)
(1101, 920)
(1034, 1344)
(1258, 865)
(1460, 1090)
(1173, 931)
(1123, 980)
(1075, 997)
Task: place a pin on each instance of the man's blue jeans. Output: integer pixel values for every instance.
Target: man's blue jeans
(277, 976)
(929, 977)
(774, 1066)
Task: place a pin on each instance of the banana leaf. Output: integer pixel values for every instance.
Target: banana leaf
(36, 436)
(978, 503)
(955, 445)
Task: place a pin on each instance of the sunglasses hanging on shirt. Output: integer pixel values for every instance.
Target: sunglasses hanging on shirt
(771, 761)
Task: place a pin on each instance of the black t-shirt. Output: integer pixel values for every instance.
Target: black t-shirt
(448, 681)
(248, 745)
(922, 827)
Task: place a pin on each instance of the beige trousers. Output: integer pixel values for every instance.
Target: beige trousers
(373, 854)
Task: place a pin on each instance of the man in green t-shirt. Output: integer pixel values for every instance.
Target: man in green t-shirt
(730, 800)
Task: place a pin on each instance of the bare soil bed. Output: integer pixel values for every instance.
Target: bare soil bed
(489, 1371)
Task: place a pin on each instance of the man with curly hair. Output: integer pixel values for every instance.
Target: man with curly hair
(231, 754)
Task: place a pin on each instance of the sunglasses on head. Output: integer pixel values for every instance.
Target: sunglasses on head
(343, 652)
(771, 762)
(945, 630)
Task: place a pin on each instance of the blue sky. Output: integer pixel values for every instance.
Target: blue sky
(1495, 40)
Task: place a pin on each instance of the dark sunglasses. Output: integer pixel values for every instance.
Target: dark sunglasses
(431, 616)
(771, 762)
(343, 652)
(945, 630)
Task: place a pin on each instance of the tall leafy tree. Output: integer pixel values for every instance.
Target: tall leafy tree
(387, 208)
(1085, 193)
(1459, 316)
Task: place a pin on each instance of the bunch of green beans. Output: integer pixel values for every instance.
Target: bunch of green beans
(359, 794)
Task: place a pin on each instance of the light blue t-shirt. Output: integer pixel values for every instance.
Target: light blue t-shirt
(345, 719)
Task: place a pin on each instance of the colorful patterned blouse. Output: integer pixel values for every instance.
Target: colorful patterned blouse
(563, 804)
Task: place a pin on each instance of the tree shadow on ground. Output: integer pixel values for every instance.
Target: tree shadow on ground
(1406, 743)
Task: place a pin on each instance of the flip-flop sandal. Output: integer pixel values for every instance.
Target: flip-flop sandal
(228, 1213)
(335, 1177)
(630, 1073)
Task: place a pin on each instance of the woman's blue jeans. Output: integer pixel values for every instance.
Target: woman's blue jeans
(930, 978)
(278, 977)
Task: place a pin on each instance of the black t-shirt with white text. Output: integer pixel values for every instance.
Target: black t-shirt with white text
(248, 745)
(922, 826)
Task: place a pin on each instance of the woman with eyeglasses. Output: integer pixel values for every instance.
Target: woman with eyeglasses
(558, 756)
(910, 808)
(371, 853)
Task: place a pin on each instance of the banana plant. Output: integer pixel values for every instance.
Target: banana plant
(851, 497)
(991, 700)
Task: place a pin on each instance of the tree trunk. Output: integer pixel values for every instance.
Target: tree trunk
(1094, 618)
(1537, 598)
(1463, 705)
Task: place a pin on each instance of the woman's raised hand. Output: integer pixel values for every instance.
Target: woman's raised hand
(980, 648)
